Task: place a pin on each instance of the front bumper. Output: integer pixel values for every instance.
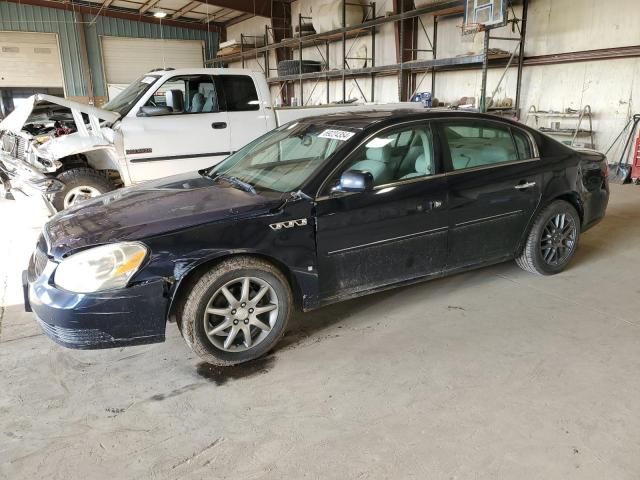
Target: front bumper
(27, 178)
(135, 315)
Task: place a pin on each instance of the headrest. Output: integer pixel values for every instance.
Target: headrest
(421, 164)
(382, 154)
(175, 100)
(197, 102)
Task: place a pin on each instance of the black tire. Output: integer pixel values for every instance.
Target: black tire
(295, 67)
(191, 315)
(80, 177)
(537, 257)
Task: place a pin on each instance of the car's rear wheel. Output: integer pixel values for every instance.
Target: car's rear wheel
(552, 241)
(80, 184)
(236, 312)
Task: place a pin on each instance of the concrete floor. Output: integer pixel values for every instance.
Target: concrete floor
(494, 374)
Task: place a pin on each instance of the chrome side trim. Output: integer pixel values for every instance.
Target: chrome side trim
(388, 240)
(484, 219)
(387, 185)
(409, 180)
(493, 165)
(300, 222)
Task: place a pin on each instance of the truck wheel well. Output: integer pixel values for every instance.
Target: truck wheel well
(80, 161)
(186, 282)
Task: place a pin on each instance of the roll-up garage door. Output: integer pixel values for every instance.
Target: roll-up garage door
(125, 59)
(30, 60)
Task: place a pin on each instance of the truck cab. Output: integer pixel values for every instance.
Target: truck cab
(166, 122)
(176, 121)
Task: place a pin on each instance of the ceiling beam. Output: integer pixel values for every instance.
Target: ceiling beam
(261, 8)
(187, 8)
(107, 3)
(108, 12)
(239, 18)
(148, 5)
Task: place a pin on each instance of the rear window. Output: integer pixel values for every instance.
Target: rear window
(240, 93)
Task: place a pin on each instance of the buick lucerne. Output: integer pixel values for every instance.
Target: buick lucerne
(316, 211)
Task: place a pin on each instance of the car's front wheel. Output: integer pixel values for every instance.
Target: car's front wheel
(80, 184)
(552, 241)
(236, 312)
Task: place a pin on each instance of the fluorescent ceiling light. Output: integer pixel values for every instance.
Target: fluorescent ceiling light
(160, 14)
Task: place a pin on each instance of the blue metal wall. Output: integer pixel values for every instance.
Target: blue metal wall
(27, 18)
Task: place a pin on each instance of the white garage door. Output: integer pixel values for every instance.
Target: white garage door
(30, 60)
(125, 59)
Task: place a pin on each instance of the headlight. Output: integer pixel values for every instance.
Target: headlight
(101, 268)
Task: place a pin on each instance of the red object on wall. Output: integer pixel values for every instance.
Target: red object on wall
(635, 168)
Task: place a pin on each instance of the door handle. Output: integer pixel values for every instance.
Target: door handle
(524, 186)
(219, 125)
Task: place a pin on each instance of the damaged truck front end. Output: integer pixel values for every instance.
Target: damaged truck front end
(37, 164)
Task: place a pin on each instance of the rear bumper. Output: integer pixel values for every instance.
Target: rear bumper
(134, 315)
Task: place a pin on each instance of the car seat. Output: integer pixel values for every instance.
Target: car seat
(211, 103)
(377, 163)
(197, 103)
(418, 161)
(422, 167)
(175, 100)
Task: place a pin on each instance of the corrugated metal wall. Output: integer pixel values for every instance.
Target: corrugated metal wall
(27, 18)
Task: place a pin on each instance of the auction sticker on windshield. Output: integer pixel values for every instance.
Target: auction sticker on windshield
(148, 80)
(336, 134)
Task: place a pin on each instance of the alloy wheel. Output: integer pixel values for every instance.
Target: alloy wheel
(558, 239)
(80, 194)
(240, 314)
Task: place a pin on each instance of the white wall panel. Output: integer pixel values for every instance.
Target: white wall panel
(30, 60)
(125, 59)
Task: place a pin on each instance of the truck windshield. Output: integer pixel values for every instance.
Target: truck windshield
(283, 159)
(127, 98)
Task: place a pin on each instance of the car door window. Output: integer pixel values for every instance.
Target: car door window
(393, 156)
(523, 145)
(187, 94)
(239, 92)
(479, 144)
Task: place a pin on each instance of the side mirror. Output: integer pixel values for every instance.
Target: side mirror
(151, 111)
(355, 181)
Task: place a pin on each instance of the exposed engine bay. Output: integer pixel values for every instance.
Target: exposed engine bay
(45, 134)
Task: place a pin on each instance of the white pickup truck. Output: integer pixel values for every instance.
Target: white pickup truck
(166, 122)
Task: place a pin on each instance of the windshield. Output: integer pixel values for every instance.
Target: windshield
(126, 99)
(283, 159)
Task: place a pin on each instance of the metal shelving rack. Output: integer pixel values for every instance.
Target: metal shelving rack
(581, 116)
(440, 9)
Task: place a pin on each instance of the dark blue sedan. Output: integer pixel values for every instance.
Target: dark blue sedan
(314, 212)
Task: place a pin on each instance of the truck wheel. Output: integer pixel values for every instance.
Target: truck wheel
(552, 241)
(236, 312)
(80, 184)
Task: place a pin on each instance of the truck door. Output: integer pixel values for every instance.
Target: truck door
(188, 131)
(244, 108)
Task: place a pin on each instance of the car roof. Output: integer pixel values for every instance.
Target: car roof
(367, 118)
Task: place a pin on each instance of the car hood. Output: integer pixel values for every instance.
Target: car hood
(152, 208)
(15, 121)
